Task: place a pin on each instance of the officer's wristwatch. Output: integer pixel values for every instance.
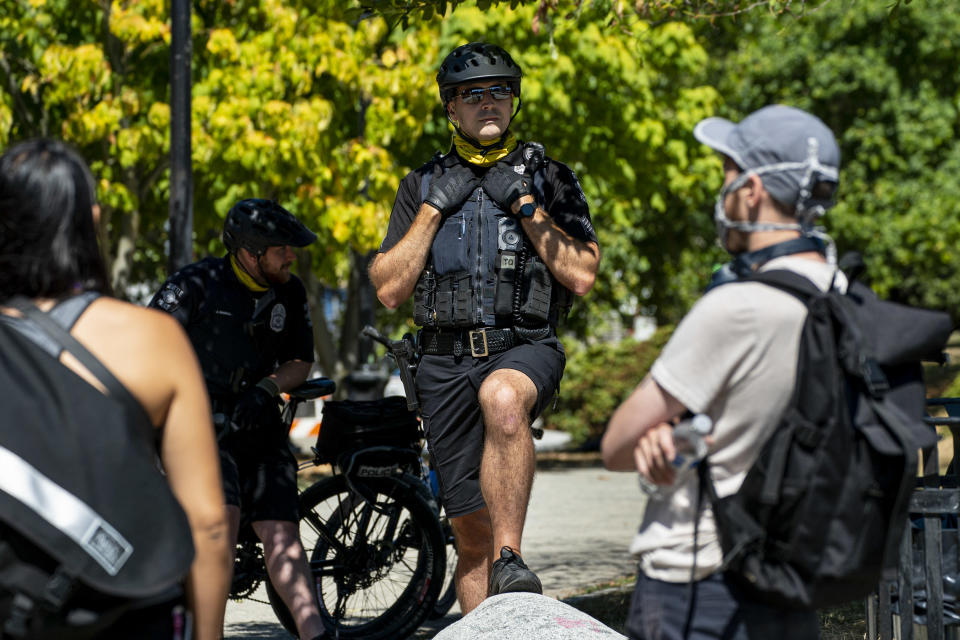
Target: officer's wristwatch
(527, 210)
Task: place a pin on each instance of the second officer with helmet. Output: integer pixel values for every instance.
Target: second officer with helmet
(492, 240)
(247, 318)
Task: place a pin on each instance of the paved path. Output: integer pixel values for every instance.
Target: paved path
(578, 529)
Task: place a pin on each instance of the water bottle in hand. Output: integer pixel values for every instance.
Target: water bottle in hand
(691, 447)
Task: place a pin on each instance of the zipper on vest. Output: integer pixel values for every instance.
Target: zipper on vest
(478, 286)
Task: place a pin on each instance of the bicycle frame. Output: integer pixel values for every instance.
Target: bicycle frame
(353, 473)
(365, 525)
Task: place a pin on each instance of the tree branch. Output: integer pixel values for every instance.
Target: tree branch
(28, 115)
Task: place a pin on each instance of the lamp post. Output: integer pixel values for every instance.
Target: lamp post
(181, 171)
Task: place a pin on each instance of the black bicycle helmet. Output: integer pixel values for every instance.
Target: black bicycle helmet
(476, 61)
(255, 224)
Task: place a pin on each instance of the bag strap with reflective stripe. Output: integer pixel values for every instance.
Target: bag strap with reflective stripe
(58, 335)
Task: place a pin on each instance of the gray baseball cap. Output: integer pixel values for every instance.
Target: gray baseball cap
(789, 148)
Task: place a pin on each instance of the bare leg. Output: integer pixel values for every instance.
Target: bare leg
(287, 566)
(506, 470)
(475, 552)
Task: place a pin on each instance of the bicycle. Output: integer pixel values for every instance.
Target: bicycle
(371, 533)
(404, 353)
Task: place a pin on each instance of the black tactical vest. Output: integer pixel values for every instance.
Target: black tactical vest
(237, 335)
(482, 270)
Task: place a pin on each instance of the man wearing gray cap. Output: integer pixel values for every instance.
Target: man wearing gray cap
(733, 358)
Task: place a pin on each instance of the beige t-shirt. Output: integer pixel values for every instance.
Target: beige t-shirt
(733, 357)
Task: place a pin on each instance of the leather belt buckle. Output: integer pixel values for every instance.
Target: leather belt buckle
(478, 343)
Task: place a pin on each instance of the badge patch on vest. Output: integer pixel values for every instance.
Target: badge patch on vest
(278, 318)
(169, 297)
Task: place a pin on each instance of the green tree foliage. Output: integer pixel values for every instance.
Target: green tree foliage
(597, 379)
(294, 100)
(652, 10)
(290, 102)
(886, 82)
(91, 73)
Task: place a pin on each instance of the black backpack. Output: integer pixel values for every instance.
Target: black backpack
(820, 515)
(89, 528)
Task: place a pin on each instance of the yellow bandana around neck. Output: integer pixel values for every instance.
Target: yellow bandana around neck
(488, 155)
(245, 278)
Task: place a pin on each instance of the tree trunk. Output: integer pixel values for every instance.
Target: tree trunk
(122, 263)
(358, 313)
(324, 342)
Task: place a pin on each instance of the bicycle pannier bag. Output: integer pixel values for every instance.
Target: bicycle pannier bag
(349, 425)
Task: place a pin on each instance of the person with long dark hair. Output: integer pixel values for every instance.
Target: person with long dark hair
(51, 267)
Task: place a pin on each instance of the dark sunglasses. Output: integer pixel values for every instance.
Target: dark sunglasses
(473, 96)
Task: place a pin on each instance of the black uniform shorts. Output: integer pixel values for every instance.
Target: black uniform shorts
(448, 386)
(260, 477)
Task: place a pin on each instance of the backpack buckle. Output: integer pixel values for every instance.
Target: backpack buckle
(21, 611)
(874, 377)
(58, 589)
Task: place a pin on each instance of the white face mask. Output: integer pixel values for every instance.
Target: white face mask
(808, 210)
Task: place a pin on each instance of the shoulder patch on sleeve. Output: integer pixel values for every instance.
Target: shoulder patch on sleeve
(169, 297)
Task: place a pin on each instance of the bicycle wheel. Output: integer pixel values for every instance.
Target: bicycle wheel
(378, 562)
(448, 592)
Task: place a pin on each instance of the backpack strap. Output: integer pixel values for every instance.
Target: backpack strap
(53, 333)
(65, 313)
(858, 363)
(788, 281)
(709, 490)
(855, 359)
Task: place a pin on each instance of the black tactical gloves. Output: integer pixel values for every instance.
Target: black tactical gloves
(257, 409)
(505, 185)
(449, 190)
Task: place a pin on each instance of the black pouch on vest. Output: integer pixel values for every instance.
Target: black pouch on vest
(463, 309)
(535, 301)
(425, 300)
(444, 308)
(453, 301)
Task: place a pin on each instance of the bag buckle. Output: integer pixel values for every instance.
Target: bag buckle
(874, 377)
(478, 343)
(18, 621)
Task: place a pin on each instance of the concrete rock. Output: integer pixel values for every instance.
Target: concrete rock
(526, 616)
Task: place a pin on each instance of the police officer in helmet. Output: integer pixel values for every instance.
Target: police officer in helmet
(493, 240)
(248, 320)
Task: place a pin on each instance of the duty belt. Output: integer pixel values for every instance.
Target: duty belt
(479, 343)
